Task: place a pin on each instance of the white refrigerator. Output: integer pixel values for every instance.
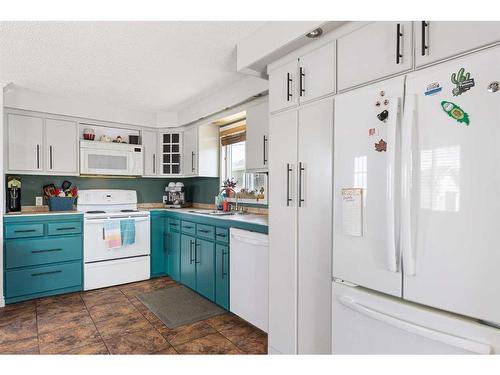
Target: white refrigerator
(417, 212)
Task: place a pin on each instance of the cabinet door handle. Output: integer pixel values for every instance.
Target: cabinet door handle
(190, 252)
(103, 234)
(154, 163)
(67, 228)
(221, 235)
(44, 251)
(37, 156)
(264, 149)
(50, 156)
(424, 45)
(196, 244)
(399, 34)
(223, 273)
(24, 230)
(192, 161)
(302, 81)
(203, 231)
(45, 273)
(288, 88)
(288, 171)
(301, 169)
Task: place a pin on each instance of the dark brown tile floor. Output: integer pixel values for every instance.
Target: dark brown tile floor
(114, 321)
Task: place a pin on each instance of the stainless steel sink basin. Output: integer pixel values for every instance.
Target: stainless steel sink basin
(213, 213)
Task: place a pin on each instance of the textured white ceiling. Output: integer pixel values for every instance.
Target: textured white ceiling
(151, 66)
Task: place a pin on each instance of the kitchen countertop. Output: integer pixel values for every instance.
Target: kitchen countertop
(257, 219)
(246, 217)
(40, 213)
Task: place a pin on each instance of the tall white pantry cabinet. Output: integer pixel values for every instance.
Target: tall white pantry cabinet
(300, 218)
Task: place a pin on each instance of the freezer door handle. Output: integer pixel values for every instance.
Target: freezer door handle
(409, 143)
(445, 338)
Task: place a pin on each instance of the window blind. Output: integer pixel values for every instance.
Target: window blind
(233, 133)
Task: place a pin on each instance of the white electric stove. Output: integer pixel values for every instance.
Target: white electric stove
(104, 266)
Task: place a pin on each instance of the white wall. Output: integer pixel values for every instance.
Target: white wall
(23, 98)
(274, 40)
(238, 92)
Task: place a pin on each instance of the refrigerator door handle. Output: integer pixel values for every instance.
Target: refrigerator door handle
(408, 145)
(445, 338)
(392, 151)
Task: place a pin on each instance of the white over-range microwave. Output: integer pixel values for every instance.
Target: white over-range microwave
(107, 158)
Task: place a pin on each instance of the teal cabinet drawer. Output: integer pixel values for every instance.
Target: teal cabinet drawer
(205, 231)
(23, 230)
(42, 279)
(174, 224)
(64, 227)
(188, 227)
(222, 235)
(33, 252)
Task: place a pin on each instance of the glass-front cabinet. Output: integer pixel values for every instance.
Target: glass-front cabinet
(171, 153)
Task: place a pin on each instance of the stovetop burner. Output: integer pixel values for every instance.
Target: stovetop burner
(96, 212)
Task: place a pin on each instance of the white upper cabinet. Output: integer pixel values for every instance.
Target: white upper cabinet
(207, 162)
(375, 51)
(317, 73)
(438, 40)
(150, 147)
(171, 153)
(61, 147)
(201, 151)
(257, 134)
(24, 143)
(190, 151)
(283, 83)
(309, 77)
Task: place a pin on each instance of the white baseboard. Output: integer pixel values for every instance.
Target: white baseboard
(2, 301)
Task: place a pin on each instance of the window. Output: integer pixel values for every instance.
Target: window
(233, 163)
(251, 187)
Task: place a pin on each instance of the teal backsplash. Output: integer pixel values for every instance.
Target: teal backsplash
(149, 190)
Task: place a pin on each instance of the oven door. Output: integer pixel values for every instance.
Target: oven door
(95, 249)
(105, 162)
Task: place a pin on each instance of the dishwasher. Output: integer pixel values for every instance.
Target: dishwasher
(249, 276)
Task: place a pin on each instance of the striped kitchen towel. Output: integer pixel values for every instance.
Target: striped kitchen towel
(112, 234)
(128, 231)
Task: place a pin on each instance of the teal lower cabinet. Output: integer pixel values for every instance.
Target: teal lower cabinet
(173, 243)
(158, 252)
(222, 275)
(198, 252)
(204, 259)
(188, 265)
(43, 256)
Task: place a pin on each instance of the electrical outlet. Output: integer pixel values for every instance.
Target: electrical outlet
(165, 198)
(39, 201)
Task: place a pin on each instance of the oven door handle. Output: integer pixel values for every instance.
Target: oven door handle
(100, 221)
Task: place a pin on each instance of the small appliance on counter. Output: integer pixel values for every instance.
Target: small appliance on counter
(175, 196)
(13, 194)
